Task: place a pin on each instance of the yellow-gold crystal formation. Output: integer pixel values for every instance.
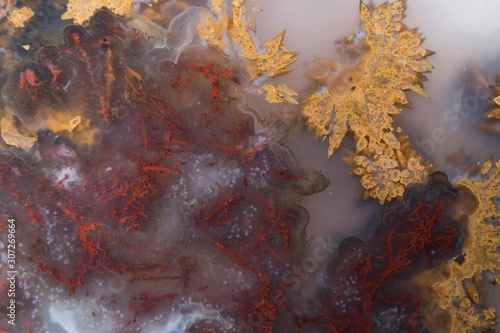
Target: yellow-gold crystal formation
(361, 93)
(459, 293)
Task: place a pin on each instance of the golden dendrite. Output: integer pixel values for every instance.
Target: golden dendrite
(19, 16)
(495, 113)
(459, 294)
(217, 32)
(361, 94)
(492, 117)
(281, 94)
(81, 10)
(213, 31)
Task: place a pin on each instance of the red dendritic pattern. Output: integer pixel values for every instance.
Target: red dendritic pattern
(178, 208)
(366, 282)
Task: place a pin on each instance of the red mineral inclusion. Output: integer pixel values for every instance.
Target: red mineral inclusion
(365, 293)
(178, 198)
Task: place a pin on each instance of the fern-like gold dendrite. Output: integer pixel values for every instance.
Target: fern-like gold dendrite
(492, 117)
(82, 10)
(271, 62)
(281, 94)
(459, 294)
(361, 96)
(495, 113)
